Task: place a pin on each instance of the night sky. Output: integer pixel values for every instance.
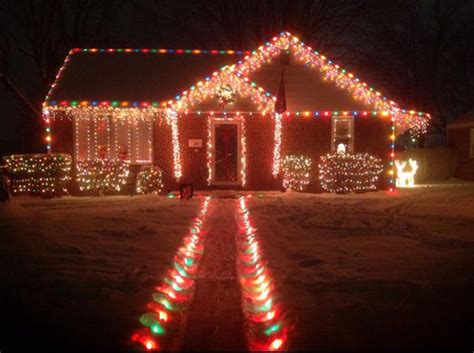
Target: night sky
(418, 53)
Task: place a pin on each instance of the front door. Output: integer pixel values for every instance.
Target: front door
(226, 152)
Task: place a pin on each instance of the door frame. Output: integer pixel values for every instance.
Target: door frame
(212, 148)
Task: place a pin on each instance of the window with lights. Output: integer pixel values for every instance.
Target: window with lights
(342, 131)
(107, 137)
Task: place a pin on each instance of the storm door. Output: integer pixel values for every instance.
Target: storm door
(226, 156)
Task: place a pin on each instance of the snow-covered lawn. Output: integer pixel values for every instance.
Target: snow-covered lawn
(79, 270)
(374, 271)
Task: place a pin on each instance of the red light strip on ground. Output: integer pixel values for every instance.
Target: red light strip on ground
(173, 295)
(267, 330)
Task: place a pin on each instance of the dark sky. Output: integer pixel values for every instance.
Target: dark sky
(418, 53)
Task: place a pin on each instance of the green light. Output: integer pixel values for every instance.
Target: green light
(171, 196)
(158, 329)
(158, 297)
(267, 305)
(188, 261)
(181, 270)
(115, 103)
(272, 329)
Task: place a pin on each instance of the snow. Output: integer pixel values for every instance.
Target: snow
(376, 271)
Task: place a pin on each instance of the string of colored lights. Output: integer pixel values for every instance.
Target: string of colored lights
(210, 86)
(159, 51)
(391, 162)
(118, 106)
(172, 118)
(331, 71)
(277, 145)
(173, 295)
(209, 151)
(267, 329)
(243, 152)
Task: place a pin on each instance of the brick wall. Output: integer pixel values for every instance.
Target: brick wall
(307, 136)
(163, 151)
(371, 135)
(300, 135)
(194, 160)
(62, 132)
(260, 133)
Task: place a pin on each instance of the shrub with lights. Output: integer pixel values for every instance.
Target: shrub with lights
(342, 172)
(102, 175)
(44, 175)
(296, 172)
(150, 181)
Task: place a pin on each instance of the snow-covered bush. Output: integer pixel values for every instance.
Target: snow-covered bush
(296, 172)
(108, 176)
(150, 181)
(343, 173)
(44, 175)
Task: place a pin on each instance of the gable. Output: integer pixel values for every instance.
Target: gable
(305, 88)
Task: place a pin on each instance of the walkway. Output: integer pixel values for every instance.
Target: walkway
(215, 319)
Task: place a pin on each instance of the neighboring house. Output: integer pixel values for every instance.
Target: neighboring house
(214, 117)
(461, 139)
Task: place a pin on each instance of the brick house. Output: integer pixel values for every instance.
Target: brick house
(208, 116)
(461, 139)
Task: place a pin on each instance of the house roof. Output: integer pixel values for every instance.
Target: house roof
(134, 75)
(466, 120)
(177, 79)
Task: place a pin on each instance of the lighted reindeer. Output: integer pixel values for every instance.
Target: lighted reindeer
(404, 178)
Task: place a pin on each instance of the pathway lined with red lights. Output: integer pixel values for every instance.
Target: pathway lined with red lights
(265, 316)
(218, 299)
(215, 320)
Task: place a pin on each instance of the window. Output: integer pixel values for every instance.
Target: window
(105, 136)
(342, 132)
(471, 143)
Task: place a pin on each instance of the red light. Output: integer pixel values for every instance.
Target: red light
(179, 51)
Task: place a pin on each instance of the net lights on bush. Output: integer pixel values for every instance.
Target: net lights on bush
(296, 172)
(267, 329)
(150, 181)
(173, 295)
(102, 175)
(343, 172)
(44, 175)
